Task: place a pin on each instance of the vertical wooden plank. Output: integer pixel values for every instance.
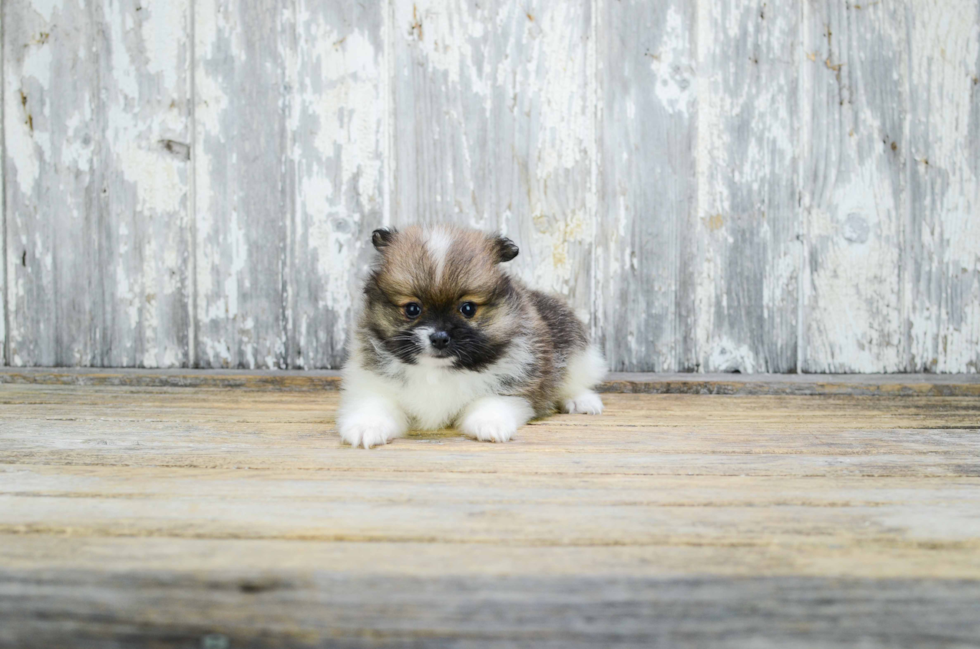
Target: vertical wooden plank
(543, 144)
(647, 185)
(55, 310)
(494, 126)
(337, 130)
(943, 243)
(3, 218)
(444, 63)
(243, 181)
(746, 249)
(145, 81)
(854, 180)
(95, 117)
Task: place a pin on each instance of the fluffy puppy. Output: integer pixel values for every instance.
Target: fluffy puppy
(446, 337)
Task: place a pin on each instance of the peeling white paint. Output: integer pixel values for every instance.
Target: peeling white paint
(725, 355)
(855, 302)
(22, 131)
(163, 34)
(672, 64)
(46, 8)
(944, 303)
(159, 187)
(443, 32)
(493, 112)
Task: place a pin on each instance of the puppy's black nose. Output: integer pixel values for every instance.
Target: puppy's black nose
(439, 339)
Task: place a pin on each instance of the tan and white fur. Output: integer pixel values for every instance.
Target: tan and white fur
(447, 337)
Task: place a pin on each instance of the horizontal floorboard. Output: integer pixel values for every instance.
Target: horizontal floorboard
(316, 609)
(633, 382)
(135, 515)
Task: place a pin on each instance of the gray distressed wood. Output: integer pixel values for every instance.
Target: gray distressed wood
(244, 184)
(854, 186)
(746, 248)
(157, 516)
(648, 101)
(96, 182)
(337, 130)
(494, 126)
(318, 608)
(289, 177)
(942, 256)
(717, 186)
(948, 385)
(3, 220)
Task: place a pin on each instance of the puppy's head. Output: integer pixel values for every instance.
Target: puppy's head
(438, 296)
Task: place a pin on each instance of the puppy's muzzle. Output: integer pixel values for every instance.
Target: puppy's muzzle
(439, 339)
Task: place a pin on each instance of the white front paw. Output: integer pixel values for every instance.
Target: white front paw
(586, 403)
(495, 419)
(489, 428)
(368, 429)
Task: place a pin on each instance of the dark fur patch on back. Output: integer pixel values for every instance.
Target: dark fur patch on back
(567, 331)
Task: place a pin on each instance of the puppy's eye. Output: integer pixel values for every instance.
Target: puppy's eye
(413, 309)
(468, 309)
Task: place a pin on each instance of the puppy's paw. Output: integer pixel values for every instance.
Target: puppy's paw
(489, 429)
(585, 403)
(369, 429)
(495, 419)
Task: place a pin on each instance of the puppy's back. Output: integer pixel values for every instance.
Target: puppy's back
(567, 332)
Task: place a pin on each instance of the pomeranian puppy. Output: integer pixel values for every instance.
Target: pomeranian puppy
(447, 337)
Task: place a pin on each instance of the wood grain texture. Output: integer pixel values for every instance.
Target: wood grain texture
(244, 185)
(96, 126)
(854, 186)
(3, 218)
(337, 140)
(891, 385)
(715, 186)
(160, 516)
(648, 99)
(943, 238)
(747, 253)
(290, 136)
(494, 122)
(313, 609)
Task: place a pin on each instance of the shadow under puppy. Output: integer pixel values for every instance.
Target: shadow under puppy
(447, 337)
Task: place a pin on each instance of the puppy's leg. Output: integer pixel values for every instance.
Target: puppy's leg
(495, 419)
(370, 420)
(585, 370)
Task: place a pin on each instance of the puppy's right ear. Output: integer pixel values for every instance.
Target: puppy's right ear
(506, 249)
(382, 237)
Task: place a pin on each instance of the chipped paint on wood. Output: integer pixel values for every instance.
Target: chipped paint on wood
(718, 186)
(943, 238)
(96, 208)
(644, 281)
(243, 184)
(855, 114)
(746, 250)
(494, 123)
(336, 125)
(3, 221)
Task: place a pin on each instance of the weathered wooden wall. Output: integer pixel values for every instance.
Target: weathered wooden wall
(751, 185)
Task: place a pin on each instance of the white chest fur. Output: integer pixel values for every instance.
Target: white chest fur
(434, 395)
(430, 391)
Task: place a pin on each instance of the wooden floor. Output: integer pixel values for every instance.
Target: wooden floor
(204, 517)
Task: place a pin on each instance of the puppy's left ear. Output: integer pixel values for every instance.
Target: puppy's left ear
(506, 249)
(382, 237)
